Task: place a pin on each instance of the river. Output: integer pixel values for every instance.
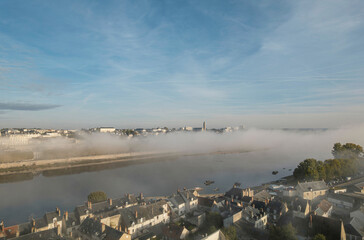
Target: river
(33, 196)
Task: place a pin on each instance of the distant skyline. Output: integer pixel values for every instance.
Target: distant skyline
(127, 64)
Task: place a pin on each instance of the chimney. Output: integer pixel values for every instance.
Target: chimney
(89, 205)
(136, 214)
(66, 215)
(17, 234)
(58, 211)
(310, 224)
(102, 227)
(2, 227)
(33, 222)
(141, 196)
(59, 230)
(109, 201)
(119, 228)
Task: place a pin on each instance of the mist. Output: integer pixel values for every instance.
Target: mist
(285, 143)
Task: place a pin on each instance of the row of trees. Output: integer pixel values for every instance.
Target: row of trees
(346, 163)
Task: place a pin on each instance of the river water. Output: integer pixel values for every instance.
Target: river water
(33, 197)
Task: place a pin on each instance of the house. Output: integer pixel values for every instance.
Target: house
(69, 223)
(100, 208)
(276, 209)
(53, 233)
(263, 196)
(311, 190)
(237, 193)
(205, 203)
(196, 218)
(93, 229)
(174, 232)
(300, 208)
(231, 216)
(254, 217)
(324, 209)
(178, 205)
(341, 201)
(218, 235)
(137, 218)
(356, 225)
(48, 221)
(190, 197)
(333, 229)
(9, 232)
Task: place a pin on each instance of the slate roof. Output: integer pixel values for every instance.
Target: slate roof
(323, 207)
(298, 202)
(329, 227)
(206, 202)
(262, 196)
(144, 211)
(341, 197)
(72, 220)
(50, 215)
(278, 206)
(50, 234)
(173, 231)
(93, 229)
(235, 192)
(314, 186)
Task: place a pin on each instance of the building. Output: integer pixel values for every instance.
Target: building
(341, 201)
(324, 209)
(254, 217)
(94, 229)
(237, 193)
(106, 129)
(333, 229)
(135, 219)
(204, 126)
(300, 208)
(174, 232)
(311, 190)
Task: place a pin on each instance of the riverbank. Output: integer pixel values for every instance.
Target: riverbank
(29, 168)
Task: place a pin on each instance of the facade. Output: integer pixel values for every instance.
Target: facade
(311, 190)
(137, 218)
(106, 129)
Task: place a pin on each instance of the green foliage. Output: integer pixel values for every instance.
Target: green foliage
(96, 197)
(311, 169)
(347, 151)
(230, 233)
(287, 232)
(214, 219)
(212, 223)
(308, 169)
(319, 237)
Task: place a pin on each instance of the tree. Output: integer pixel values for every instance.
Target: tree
(319, 237)
(230, 233)
(347, 151)
(287, 232)
(307, 170)
(96, 197)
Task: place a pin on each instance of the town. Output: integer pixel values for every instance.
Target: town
(307, 209)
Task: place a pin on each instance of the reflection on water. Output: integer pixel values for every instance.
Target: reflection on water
(67, 188)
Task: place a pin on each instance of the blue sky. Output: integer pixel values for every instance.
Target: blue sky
(73, 64)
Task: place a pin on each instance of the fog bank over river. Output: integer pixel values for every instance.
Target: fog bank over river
(269, 150)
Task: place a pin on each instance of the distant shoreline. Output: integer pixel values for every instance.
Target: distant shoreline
(31, 168)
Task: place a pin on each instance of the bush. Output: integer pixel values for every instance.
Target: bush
(96, 197)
